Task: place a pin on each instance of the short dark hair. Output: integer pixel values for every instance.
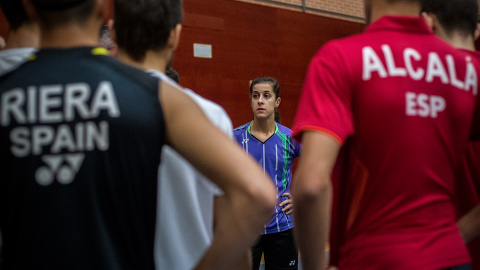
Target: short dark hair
(56, 4)
(59, 12)
(15, 13)
(176, 12)
(454, 16)
(142, 25)
(172, 74)
(270, 80)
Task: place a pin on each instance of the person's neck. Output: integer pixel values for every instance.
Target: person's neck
(460, 41)
(26, 36)
(156, 60)
(71, 35)
(263, 126)
(400, 8)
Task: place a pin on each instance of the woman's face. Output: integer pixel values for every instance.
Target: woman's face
(263, 101)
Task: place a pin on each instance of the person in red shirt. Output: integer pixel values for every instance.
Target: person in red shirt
(457, 23)
(384, 117)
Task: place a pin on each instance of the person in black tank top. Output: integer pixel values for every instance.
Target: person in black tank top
(80, 142)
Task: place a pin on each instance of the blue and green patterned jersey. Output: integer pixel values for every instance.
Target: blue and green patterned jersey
(276, 156)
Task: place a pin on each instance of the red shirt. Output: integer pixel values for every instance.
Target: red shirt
(468, 191)
(401, 102)
(467, 184)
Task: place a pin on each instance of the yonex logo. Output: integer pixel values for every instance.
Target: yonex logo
(63, 168)
(245, 145)
(69, 106)
(292, 263)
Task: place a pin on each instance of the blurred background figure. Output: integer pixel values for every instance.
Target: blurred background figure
(106, 41)
(456, 22)
(23, 37)
(2, 43)
(172, 74)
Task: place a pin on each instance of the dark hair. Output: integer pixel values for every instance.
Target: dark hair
(270, 80)
(53, 15)
(176, 12)
(172, 74)
(142, 25)
(15, 13)
(277, 116)
(56, 4)
(454, 16)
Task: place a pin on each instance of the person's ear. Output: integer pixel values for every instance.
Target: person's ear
(111, 30)
(477, 32)
(2, 43)
(30, 10)
(430, 19)
(174, 38)
(277, 102)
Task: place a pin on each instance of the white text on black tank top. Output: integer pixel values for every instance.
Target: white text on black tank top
(61, 148)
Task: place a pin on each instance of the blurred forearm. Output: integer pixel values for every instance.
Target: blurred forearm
(469, 225)
(312, 190)
(236, 232)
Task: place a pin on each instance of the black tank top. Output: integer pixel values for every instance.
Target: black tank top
(80, 142)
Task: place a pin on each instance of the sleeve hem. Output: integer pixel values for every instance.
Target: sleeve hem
(297, 133)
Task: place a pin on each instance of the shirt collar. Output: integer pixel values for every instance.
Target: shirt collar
(249, 125)
(400, 23)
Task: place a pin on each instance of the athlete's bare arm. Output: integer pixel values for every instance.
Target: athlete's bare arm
(248, 193)
(221, 212)
(312, 190)
(469, 225)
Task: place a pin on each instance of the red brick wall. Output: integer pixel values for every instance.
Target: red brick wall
(3, 25)
(250, 41)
